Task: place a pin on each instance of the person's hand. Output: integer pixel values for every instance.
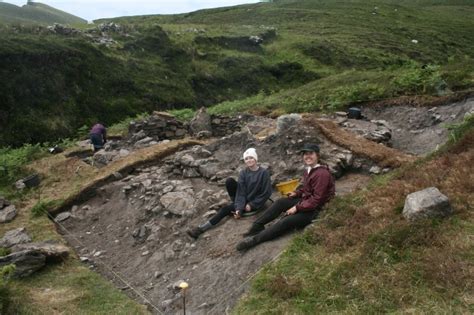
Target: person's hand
(291, 194)
(248, 207)
(291, 211)
(236, 214)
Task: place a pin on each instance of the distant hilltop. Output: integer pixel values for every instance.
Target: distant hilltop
(35, 13)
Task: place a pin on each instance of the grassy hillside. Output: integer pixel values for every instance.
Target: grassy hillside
(313, 55)
(36, 13)
(362, 257)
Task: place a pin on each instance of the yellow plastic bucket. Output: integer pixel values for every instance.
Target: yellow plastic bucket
(286, 187)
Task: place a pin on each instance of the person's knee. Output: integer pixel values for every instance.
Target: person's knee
(230, 181)
(282, 203)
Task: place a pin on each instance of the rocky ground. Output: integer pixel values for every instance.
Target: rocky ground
(133, 230)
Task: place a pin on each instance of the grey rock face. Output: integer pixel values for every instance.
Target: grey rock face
(14, 237)
(200, 122)
(26, 262)
(7, 214)
(179, 203)
(285, 122)
(3, 202)
(50, 249)
(426, 203)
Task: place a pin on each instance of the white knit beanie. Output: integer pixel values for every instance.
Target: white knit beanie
(251, 152)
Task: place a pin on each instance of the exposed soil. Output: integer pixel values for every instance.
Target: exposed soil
(122, 233)
(419, 130)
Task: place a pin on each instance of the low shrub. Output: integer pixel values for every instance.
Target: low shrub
(5, 273)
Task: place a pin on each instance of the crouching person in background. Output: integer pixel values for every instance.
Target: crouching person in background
(300, 206)
(249, 193)
(98, 136)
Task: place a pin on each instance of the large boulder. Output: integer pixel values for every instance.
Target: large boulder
(426, 203)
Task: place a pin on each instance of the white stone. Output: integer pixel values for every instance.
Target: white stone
(427, 203)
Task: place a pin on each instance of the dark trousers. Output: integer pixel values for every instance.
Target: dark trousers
(285, 224)
(231, 187)
(97, 141)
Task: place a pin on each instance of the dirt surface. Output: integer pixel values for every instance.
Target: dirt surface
(419, 130)
(126, 234)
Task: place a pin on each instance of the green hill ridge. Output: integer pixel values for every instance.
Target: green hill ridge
(285, 56)
(35, 13)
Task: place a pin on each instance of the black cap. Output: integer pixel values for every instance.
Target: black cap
(310, 147)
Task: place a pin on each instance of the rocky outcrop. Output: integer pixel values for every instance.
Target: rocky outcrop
(26, 262)
(29, 257)
(426, 203)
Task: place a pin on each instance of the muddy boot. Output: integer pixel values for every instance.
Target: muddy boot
(195, 232)
(247, 243)
(254, 229)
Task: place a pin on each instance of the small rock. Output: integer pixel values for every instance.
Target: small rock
(7, 214)
(375, 170)
(20, 185)
(62, 216)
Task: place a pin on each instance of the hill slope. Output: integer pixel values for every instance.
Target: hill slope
(36, 13)
(282, 56)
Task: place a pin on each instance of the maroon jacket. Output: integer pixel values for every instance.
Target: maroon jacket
(318, 188)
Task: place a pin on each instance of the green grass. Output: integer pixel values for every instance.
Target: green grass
(79, 292)
(362, 257)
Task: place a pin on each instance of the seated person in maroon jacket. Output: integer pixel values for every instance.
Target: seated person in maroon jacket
(300, 207)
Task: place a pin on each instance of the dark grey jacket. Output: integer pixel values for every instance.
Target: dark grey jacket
(254, 188)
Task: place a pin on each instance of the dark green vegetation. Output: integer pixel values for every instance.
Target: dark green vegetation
(35, 13)
(362, 257)
(314, 55)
